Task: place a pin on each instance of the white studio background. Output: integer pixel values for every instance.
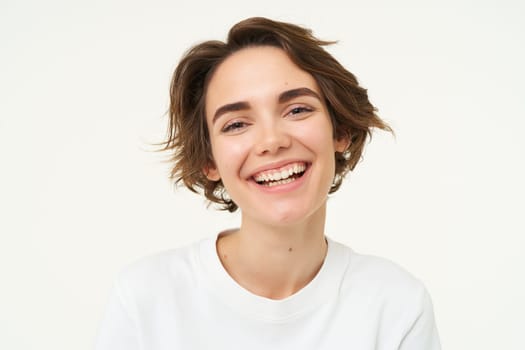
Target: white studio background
(83, 92)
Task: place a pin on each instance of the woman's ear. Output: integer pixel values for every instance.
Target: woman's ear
(212, 173)
(341, 144)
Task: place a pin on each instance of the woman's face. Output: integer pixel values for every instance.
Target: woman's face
(271, 137)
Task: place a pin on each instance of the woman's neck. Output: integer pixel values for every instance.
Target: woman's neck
(274, 261)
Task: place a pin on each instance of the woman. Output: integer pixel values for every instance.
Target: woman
(270, 123)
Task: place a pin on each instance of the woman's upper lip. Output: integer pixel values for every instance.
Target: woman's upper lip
(275, 165)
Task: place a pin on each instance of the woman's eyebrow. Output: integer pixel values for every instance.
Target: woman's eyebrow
(283, 97)
(231, 107)
(291, 94)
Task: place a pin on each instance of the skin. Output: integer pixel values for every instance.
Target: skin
(263, 112)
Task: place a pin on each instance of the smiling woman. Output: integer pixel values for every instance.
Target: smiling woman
(270, 123)
(283, 123)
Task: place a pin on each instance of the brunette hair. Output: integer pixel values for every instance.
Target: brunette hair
(352, 114)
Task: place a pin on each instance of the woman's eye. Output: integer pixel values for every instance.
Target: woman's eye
(299, 110)
(234, 126)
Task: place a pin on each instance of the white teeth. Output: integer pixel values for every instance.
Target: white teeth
(278, 177)
(280, 182)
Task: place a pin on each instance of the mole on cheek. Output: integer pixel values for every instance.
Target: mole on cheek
(290, 249)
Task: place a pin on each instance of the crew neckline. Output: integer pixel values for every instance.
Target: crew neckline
(322, 288)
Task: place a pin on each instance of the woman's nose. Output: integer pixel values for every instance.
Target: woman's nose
(271, 139)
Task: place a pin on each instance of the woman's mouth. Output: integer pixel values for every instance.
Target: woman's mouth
(280, 176)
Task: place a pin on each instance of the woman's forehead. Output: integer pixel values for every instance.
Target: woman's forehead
(256, 73)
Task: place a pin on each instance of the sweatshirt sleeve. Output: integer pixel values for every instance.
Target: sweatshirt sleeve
(118, 330)
(423, 334)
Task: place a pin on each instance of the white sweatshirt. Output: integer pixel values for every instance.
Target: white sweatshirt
(184, 299)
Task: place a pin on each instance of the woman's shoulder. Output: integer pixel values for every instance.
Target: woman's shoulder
(163, 270)
(380, 278)
(375, 289)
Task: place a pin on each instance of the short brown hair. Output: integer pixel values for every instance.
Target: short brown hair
(352, 114)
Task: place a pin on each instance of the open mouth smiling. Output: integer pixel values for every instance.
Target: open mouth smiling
(281, 176)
